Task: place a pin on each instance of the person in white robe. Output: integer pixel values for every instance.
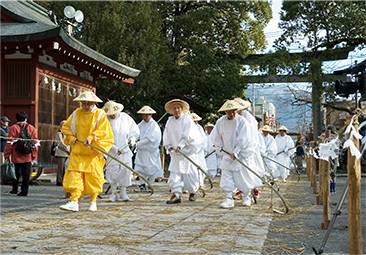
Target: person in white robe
(199, 157)
(126, 133)
(285, 148)
(147, 160)
(270, 150)
(234, 134)
(180, 135)
(259, 143)
(211, 160)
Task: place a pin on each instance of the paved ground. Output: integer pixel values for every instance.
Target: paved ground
(35, 225)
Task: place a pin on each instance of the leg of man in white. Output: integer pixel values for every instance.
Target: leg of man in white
(125, 181)
(228, 186)
(176, 184)
(192, 182)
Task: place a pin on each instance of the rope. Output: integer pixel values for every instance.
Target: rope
(12, 140)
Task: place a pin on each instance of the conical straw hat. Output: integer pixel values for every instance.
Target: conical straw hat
(209, 124)
(229, 105)
(243, 103)
(266, 128)
(169, 106)
(146, 110)
(282, 128)
(195, 117)
(112, 107)
(87, 96)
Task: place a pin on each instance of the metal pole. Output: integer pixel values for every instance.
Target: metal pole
(330, 227)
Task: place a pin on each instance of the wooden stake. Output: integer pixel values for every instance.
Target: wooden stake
(354, 201)
(321, 184)
(324, 168)
(308, 170)
(162, 158)
(313, 171)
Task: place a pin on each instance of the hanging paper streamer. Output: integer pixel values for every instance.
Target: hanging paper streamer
(363, 140)
(329, 150)
(351, 132)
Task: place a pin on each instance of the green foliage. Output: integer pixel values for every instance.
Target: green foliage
(322, 23)
(201, 36)
(182, 48)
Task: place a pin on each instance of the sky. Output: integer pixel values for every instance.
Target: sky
(272, 31)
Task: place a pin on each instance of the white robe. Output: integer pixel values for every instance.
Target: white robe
(147, 160)
(182, 133)
(211, 161)
(285, 147)
(236, 136)
(270, 152)
(199, 157)
(124, 130)
(260, 147)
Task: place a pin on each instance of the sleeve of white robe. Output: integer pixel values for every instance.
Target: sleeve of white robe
(290, 146)
(217, 142)
(203, 138)
(187, 137)
(167, 143)
(191, 141)
(189, 132)
(245, 142)
(133, 130)
(271, 147)
(152, 137)
(262, 144)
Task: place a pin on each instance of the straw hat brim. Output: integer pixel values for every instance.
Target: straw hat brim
(195, 117)
(243, 103)
(169, 106)
(112, 108)
(266, 129)
(146, 110)
(229, 105)
(209, 125)
(282, 128)
(88, 96)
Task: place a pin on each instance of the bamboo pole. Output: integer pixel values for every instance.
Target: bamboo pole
(319, 196)
(354, 200)
(324, 168)
(311, 170)
(162, 158)
(307, 160)
(313, 163)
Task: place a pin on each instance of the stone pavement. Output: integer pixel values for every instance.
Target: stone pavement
(35, 225)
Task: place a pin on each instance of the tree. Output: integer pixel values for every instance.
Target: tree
(130, 33)
(202, 37)
(182, 48)
(324, 25)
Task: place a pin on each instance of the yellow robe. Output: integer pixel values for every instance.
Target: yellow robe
(84, 174)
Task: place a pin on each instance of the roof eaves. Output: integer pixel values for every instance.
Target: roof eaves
(73, 43)
(50, 33)
(28, 11)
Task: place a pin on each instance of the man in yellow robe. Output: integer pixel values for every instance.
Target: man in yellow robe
(87, 125)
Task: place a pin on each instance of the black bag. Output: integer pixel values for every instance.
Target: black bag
(21, 146)
(54, 148)
(7, 173)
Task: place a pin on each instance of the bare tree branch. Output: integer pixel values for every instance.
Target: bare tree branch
(307, 100)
